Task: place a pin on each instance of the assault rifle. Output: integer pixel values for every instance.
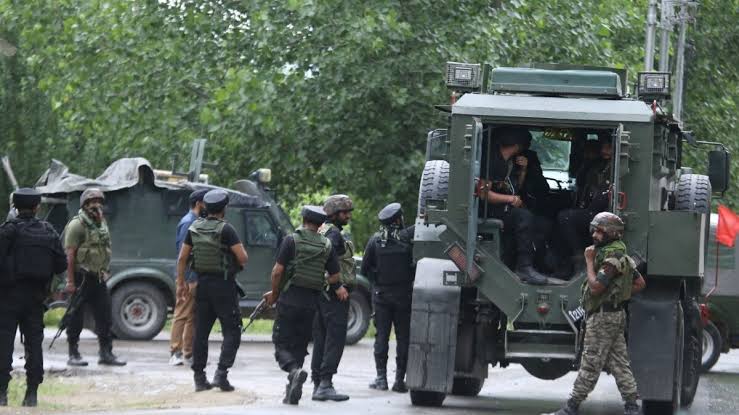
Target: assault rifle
(261, 307)
(74, 303)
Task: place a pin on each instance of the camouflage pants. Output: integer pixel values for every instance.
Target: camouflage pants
(605, 347)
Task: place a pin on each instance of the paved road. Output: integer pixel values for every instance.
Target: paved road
(506, 391)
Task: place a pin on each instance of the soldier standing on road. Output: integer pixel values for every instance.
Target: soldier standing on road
(388, 263)
(180, 343)
(217, 255)
(330, 326)
(30, 255)
(298, 280)
(612, 279)
(87, 244)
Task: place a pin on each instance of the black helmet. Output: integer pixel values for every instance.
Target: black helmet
(313, 214)
(26, 198)
(608, 223)
(508, 136)
(390, 213)
(216, 200)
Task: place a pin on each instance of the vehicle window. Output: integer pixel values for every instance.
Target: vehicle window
(259, 229)
(553, 154)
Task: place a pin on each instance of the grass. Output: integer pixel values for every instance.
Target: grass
(51, 387)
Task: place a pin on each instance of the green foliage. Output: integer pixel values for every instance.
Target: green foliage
(334, 96)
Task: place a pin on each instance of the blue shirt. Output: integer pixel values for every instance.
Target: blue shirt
(182, 227)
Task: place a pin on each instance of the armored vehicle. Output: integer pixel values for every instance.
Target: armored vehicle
(143, 207)
(471, 310)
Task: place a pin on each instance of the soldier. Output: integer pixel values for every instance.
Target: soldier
(30, 255)
(180, 343)
(329, 329)
(217, 255)
(612, 280)
(508, 206)
(388, 262)
(87, 244)
(298, 280)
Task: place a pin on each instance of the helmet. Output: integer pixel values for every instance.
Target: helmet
(313, 214)
(215, 200)
(508, 136)
(26, 198)
(608, 223)
(390, 213)
(91, 193)
(337, 203)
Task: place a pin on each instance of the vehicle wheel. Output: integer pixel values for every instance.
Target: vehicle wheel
(139, 311)
(359, 317)
(467, 386)
(712, 342)
(425, 398)
(434, 183)
(692, 352)
(693, 193)
(547, 369)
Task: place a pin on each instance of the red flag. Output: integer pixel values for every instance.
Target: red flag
(728, 226)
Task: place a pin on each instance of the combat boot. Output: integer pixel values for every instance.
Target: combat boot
(201, 382)
(294, 389)
(631, 408)
(31, 399)
(220, 380)
(4, 395)
(108, 358)
(75, 359)
(570, 408)
(380, 382)
(326, 392)
(399, 385)
(529, 275)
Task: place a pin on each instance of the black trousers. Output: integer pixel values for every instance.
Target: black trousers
(94, 293)
(392, 308)
(518, 233)
(216, 298)
(291, 334)
(22, 306)
(329, 336)
(574, 231)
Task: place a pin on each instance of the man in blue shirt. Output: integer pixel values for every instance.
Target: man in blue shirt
(180, 343)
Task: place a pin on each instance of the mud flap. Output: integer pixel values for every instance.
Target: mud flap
(434, 319)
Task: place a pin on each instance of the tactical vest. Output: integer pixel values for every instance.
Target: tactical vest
(308, 268)
(348, 274)
(393, 262)
(209, 255)
(94, 252)
(35, 254)
(619, 288)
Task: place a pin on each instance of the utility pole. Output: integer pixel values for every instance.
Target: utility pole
(666, 22)
(651, 31)
(683, 19)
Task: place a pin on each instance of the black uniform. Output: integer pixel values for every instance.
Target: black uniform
(388, 263)
(30, 254)
(330, 323)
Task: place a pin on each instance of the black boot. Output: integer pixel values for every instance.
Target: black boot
(108, 358)
(31, 399)
(220, 380)
(399, 385)
(380, 382)
(74, 356)
(201, 382)
(4, 395)
(326, 392)
(529, 275)
(294, 388)
(570, 408)
(631, 408)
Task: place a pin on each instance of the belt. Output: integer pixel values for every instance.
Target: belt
(609, 308)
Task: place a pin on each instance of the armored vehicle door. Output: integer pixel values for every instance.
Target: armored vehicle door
(261, 239)
(621, 159)
(473, 150)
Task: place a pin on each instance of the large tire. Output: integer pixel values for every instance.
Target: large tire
(425, 398)
(712, 342)
(547, 370)
(359, 317)
(693, 193)
(467, 386)
(139, 311)
(692, 352)
(434, 183)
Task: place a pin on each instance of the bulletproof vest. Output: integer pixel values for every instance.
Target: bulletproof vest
(208, 253)
(308, 268)
(34, 253)
(346, 262)
(394, 258)
(94, 253)
(619, 288)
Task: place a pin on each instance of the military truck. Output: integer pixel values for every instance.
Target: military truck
(721, 307)
(470, 310)
(143, 207)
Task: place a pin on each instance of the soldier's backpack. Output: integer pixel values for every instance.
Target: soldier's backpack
(34, 253)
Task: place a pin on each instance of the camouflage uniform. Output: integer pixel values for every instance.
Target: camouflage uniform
(605, 345)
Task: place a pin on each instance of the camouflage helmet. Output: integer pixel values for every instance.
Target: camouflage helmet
(337, 203)
(608, 223)
(91, 193)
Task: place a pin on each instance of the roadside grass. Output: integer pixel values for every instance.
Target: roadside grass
(51, 387)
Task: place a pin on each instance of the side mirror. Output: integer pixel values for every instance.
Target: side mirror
(718, 170)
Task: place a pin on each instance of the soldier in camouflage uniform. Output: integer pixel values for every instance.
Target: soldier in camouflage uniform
(612, 279)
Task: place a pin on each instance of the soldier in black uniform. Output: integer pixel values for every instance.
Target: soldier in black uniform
(217, 255)
(30, 254)
(388, 263)
(298, 280)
